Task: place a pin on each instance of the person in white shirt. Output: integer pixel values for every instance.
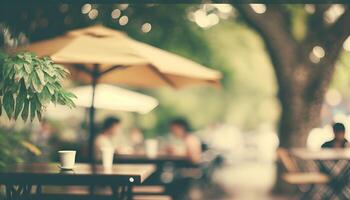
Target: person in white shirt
(110, 128)
(191, 145)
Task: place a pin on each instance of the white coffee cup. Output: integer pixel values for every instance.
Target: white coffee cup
(107, 157)
(151, 148)
(67, 159)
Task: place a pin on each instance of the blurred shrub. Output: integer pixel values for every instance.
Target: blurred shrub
(14, 146)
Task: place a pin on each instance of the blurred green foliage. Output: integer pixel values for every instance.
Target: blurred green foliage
(247, 98)
(14, 146)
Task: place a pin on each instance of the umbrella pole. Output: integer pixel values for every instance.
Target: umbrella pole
(95, 76)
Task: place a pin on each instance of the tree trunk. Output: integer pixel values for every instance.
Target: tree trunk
(302, 83)
(301, 112)
(297, 120)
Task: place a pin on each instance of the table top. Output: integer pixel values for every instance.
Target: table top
(159, 159)
(82, 174)
(322, 154)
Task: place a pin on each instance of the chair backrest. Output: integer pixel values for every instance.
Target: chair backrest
(287, 161)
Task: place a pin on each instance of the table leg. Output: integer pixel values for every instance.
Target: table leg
(116, 192)
(123, 192)
(38, 189)
(18, 192)
(129, 193)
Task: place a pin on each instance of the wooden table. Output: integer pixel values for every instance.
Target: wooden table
(334, 162)
(19, 179)
(158, 160)
(322, 154)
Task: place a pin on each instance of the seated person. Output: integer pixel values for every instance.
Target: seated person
(339, 140)
(192, 146)
(136, 140)
(111, 127)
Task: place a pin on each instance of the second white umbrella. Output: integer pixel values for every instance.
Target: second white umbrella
(114, 98)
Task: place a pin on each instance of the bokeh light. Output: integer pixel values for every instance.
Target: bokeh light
(146, 27)
(318, 136)
(93, 14)
(123, 6)
(224, 8)
(258, 8)
(67, 20)
(316, 54)
(201, 18)
(116, 13)
(314, 58)
(86, 8)
(64, 8)
(213, 18)
(318, 51)
(333, 97)
(309, 8)
(333, 13)
(123, 20)
(346, 44)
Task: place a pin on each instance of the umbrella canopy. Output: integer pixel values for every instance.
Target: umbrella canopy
(114, 98)
(140, 64)
(102, 55)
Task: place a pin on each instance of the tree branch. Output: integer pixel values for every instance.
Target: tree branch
(336, 35)
(316, 21)
(332, 41)
(274, 27)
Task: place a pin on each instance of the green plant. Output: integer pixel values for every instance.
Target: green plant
(29, 83)
(15, 146)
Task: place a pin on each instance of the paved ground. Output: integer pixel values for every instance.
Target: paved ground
(246, 181)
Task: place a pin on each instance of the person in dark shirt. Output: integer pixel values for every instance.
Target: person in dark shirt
(339, 140)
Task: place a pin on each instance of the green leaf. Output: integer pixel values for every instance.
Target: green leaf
(27, 68)
(28, 57)
(44, 96)
(0, 106)
(49, 71)
(40, 75)
(27, 81)
(18, 66)
(39, 114)
(33, 106)
(13, 88)
(55, 98)
(19, 75)
(70, 95)
(9, 104)
(51, 88)
(38, 87)
(25, 110)
(9, 70)
(21, 97)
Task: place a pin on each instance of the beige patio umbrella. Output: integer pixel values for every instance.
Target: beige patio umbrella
(100, 54)
(142, 65)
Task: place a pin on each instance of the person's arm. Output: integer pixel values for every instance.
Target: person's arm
(194, 151)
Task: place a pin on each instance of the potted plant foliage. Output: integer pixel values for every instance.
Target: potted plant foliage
(29, 83)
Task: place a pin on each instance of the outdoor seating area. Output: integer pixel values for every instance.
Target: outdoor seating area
(174, 101)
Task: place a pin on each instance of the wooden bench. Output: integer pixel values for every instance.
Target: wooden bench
(147, 192)
(148, 189)
(300, 179)
(152, 197)
(93, 197)
(144, 189)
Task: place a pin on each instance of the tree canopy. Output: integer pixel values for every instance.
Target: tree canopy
(247, 98)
